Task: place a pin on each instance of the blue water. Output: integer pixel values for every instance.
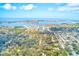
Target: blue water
(16, 19)
(37, 23)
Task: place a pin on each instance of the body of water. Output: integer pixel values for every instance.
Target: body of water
(41, 22)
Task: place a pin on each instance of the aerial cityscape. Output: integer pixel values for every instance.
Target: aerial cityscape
(39, 29)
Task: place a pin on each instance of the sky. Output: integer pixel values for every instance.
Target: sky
(40, 10)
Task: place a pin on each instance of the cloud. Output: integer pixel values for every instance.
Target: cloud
(23, 7)
(9, 7)
(14, 7)
(73, 4)
(61, 9)
(50, 9)
(27, 7)
(69, 7)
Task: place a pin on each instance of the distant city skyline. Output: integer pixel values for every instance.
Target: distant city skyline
(40, 10)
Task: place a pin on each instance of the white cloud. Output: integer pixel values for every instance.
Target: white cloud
(9, 7)
(61, 9)
(69, 7)
(27, 7)
(14, 8)
(73, 4)
(24, 7)
(50, 9)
